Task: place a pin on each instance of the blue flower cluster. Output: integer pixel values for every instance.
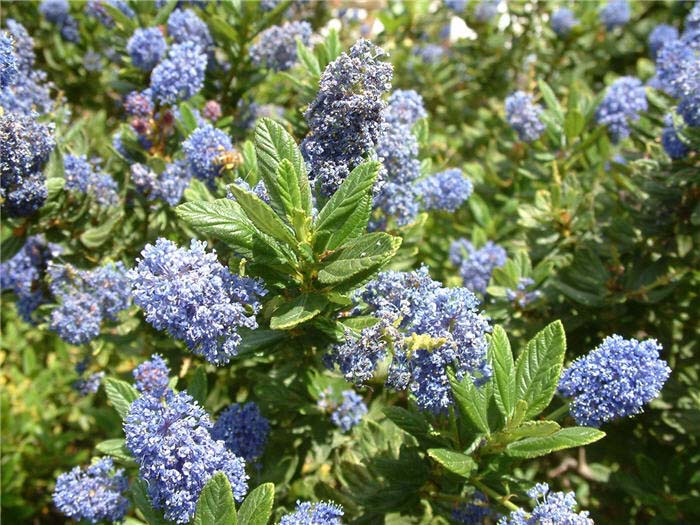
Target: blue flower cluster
(308, 513)
(25, 146)
(476, 512)
(551, 507)
(563, 21)
(661, 35)
(672, 143)
(82, 176)
(180, 76)
(185, 26)
(520, 295)
(90, 384)
(139, 104)
(195, 299)
(445, 191)
(152, 376)
(169, 185)
(146, 47)
(456, 5)
(345, 119)
(86, 298)
(616, 13)
(95, 494)
(169, 437)
(614, 380)
(276, 47)
(95, 8)
(202, 150)
(250, 111)
(476, 265)
(429, 53)
(243, 429)
(24, 272)
(350, 412)
(8, 63)
(57, 12)
(430, 327)
(524, 116)
(486, 10)
(625, 100)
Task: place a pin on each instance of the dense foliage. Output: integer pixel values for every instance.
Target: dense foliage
(303, 262)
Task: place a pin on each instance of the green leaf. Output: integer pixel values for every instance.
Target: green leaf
(503, 371)
(359, 259)
(188, 120)
(292, 200)
(346, 214)
(273, 145)
(551, 100)
(564, 438)
(411, 422)
(143, 504)
(456, 462)
(97, 236)
(115, 448)
(531, 429)
(308, 59)
(471, 401)
(121, 394)
(300, 310)
(197, 386)
(256, 509)
(538, 368)
(120, 18)
(215, 505)
(573, 126)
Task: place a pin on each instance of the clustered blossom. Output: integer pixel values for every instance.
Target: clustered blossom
(429, 329)
(152, 376)
(25, 147)
(521, 295)
(86, 298)
(486, 10)
(476, 265)
(308, 513)
(616, 13)
(345, 119)
(445, 191)
(614, 380)
(456, 5)
(212, 110)
(625, 100)
(180, 76)
(57, 12)
(95, 494)
(168, 435)
(672, 143)
(169, 185)
(185, 26)
(276, 47)
(350, 412)
(476, 512)
(661, 35)
(8, 64)
(189, 294)
(523, 115)
(243, 429)
(95, 8)
(82, 176)
(90, 384)
(202, 150)
(563, 21)
(146, 47)
(551, 507)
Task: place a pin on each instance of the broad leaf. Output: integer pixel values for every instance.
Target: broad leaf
(411, 422)
(503, 371)
(215, 505)
(121, 394)
(115, 448)
(472, 402)
(564, 438)
(456, 462)
(300, 310)
(256, 509)
(531, 429)
(197, 386)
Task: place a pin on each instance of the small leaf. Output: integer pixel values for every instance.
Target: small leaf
(411, 422)
(115, 448)
(472, 403)
(308, 59)
(573, 126)
(143, 503)
(300, 310)
(564, 438)
(503, 371)
(215, 505)
(257, 507)
(456, 462)
(533, 429)
(121, 394)
(197, 386)
(551, 100)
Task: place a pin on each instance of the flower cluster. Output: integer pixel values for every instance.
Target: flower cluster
(672, 143)
(661, 35)
(169, 185)
(203, 149)
(308, 513)
(520, 295)
(169, 437)
(243, 429)
(95, 8)
(524, 116)
(486, 10)
(345, 119)
(614, 380)
(616, 13)
(82, 176)
(276, 47)
(428, 327)
(185, 26)
(57, 12)
(476, 512)
(152, 376)
(563, 21)
(139, 104)
(8, 64)
(476, 265)
(86, 298)
(180, 76)
(446, 190)
(95, 494)
(551, 507)
(194, 298)
(89, 384)
(350, 412)
(624, 101)
(146, 47)
(429, 53)
(25, 146)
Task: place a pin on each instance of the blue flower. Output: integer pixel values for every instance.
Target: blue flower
(8, 63)
(180, 76)
(524, 116)
(276, 47)
(95, 494)
(195, 299)
(139, 104)
(146, 47)
(186, 26)
(169, 437)
(345, 119)
(81, 176)
(476, 512)
(169, 185)
(689, 109)
(429, 53)
(456, 5)
(358, 357)
(692, 21)
(476, 265)
(90, 384)
(616, 13)
(563, 21)
(202, 149)
(552, 507)
(614, 380)
(243, 429)
(308, 513)
(486, 10)
(520, 295)
(661, 35)
(674, 68)
(445, 191)
(624, 101)
(56, 12)
(672, 143)
(152, 376)
(95, 9)
(350, 412)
